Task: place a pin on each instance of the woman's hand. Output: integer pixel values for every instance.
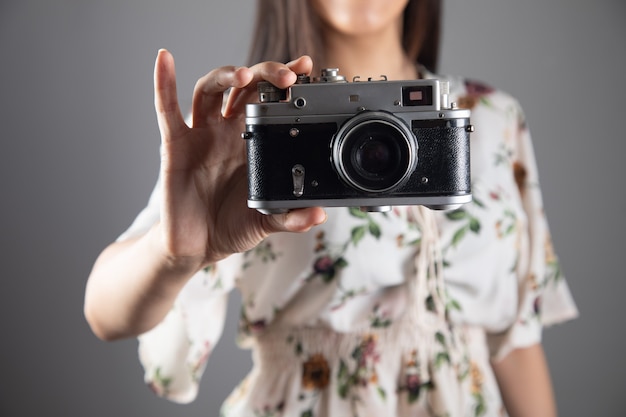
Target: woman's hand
(204, 216)
(203, 167)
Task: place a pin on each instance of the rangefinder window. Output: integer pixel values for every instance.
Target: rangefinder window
(417, 95)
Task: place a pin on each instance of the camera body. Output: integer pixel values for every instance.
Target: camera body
(369, 144)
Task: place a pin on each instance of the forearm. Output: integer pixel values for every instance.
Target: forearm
(132, 286)
(524, 380)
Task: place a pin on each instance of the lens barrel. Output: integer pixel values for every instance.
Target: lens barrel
(374, 152)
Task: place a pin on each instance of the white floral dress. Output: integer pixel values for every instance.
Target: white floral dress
(381, 314)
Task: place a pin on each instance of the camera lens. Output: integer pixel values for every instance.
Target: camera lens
(374, 152)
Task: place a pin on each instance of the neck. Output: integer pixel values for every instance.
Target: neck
(370, 55)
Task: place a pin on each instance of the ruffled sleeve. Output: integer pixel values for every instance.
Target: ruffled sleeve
(543, 294)
(175, 352)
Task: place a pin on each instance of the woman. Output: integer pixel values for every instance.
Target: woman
(409, 313)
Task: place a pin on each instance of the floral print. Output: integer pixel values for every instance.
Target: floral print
(333, 317)
(476, 389)
(315, 372)
(359, 369)
(412, 381)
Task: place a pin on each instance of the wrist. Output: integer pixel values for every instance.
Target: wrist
(177, 267)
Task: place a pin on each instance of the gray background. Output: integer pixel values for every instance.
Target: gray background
(79, 157)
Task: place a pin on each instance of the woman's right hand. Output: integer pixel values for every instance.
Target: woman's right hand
(204, 216)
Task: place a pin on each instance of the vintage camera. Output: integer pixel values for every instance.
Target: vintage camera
(370, 144)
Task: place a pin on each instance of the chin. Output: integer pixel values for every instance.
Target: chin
(360, 17)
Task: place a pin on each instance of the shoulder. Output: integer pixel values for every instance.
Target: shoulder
(474, 94)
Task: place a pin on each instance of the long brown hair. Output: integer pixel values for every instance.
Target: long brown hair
(287, 29)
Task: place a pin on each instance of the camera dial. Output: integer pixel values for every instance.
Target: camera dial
(330, 75)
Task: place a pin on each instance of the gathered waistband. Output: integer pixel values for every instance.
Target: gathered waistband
(279, 343)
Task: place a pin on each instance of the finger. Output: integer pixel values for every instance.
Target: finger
(300, 220)
(302, 65)
(281, 75)
(209, 92)
(169, 117)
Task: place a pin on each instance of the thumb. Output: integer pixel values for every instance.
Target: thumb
(300, 220)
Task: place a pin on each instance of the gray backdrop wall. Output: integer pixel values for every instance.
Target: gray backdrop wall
(79, 157)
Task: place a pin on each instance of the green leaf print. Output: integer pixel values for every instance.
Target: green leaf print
(453, 305)
(341, 263)
(430, 304)
(343, 378)
(343, 370)
(481, 408)
(413, 396)
(161, 380)
(415, 242)
(458, 235)
(477, 202)
(474, 225)
(364, 357)
(357, 234)
(378, 322)
(554, 272)
(456, 214)
(379, 318)
(357, 212)
(359, 231)
(263, 251)
(374, 229)
(441, 358)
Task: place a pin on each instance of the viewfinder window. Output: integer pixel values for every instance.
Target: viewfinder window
(417, 95)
